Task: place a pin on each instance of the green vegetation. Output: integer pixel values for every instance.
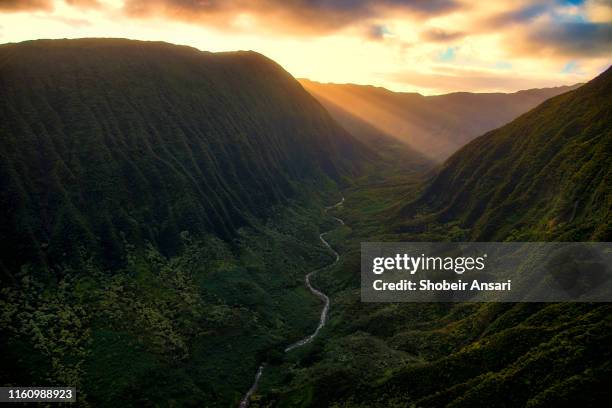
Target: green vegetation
(181, 329)
(162, 206)
(432, 355)
(105, 140)
(545, 176)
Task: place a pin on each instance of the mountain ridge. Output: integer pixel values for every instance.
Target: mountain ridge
(434, 126)
(545, 175)
(563, 88)
(106, 122)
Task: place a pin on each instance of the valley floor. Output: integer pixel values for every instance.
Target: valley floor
(467, 354)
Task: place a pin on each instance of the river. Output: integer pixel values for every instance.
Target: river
(244, 403)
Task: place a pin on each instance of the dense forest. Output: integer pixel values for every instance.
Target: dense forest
(163, 205)
(104, 138)
(518, 182)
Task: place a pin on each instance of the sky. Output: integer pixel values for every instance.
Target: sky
(426, 46)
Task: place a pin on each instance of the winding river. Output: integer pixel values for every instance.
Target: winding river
(244, 403)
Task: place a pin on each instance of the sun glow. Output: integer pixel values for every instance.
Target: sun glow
(470, 47)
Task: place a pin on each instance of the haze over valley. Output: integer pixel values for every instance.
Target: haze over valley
(434, 126)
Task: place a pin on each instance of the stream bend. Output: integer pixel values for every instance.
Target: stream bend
(244, 403)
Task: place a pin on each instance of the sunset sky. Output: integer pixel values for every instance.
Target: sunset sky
(432, 47)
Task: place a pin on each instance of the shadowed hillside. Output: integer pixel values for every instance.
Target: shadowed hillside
(434, 126)
(161, 206)
(101, 139)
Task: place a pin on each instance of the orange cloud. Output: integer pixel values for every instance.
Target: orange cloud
(300, 17)
(25, 5)
(398, 44)
(84, 3)
(439, 35)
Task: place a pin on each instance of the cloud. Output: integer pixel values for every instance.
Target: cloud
(42, 5)
(554, 28)
(569, 39)
(84, 3)
(25, 5)
(522, 15)
(543, 42)
(599, 10)
(438, 35)
(290, 17)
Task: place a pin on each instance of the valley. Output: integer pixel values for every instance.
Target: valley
(395, 355)
(174, 237)
(432, 126)
(168, 239)
(324, 312)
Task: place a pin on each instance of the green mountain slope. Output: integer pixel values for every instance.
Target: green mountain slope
(547, 175)
(103, 138)
(161, 206)
(506, 185)
(434, 126)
